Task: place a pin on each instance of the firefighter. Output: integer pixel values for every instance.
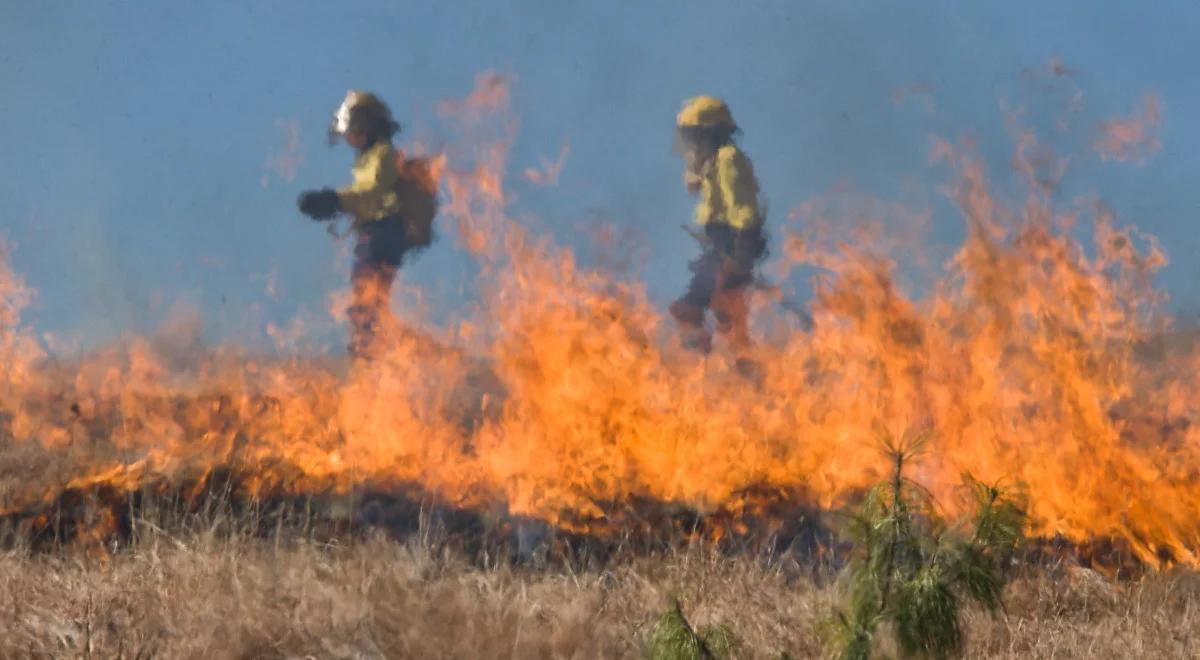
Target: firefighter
(730, 221)
(376, 201)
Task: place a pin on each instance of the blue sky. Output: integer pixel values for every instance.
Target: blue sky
(135, 134)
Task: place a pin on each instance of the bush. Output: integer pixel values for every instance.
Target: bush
(910, 573)
(673, 638)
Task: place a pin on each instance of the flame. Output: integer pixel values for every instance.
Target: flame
(562, 397)
(286, 164)
(550, 170)
(1133, 138)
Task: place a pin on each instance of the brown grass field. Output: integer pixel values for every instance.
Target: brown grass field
(207, 593)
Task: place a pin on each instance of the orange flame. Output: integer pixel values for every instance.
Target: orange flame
(550, 170)
(1134, 138)
(286, 164)
(560, 399)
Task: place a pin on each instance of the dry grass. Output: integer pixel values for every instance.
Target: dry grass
(210, 596)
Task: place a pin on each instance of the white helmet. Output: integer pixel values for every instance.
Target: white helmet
(358, 104)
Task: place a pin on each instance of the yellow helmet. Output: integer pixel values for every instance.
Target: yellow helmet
(704, 112)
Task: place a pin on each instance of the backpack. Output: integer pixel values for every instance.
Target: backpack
(417, 188)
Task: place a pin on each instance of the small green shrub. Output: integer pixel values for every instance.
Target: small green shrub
(910, 573)
(673, 638)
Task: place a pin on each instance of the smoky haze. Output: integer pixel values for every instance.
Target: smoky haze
(153, 153)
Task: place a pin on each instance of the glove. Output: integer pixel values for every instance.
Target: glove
(319, 204)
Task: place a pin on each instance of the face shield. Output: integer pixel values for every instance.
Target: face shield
(684, 141)
(687, 147)
(341, 118)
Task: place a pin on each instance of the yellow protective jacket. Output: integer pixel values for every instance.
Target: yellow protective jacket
(374, 193)
(728, 190)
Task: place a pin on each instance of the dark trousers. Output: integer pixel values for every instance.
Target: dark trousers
(721, 277)
(378, 252)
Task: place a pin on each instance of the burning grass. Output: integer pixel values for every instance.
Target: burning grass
(560, 395)
(544, 473)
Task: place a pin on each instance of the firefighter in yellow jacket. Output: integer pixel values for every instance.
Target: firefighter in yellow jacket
(729, 215)
(374, 202)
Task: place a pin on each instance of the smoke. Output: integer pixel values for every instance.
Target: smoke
(919, 92)
(284, 164)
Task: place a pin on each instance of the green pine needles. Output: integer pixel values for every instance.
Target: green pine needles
(910, 572)
(673, 638)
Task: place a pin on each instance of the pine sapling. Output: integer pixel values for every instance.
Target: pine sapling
(909, 573)
(674, 638)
